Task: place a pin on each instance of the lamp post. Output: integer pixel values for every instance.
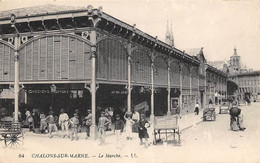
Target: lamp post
(16, 68)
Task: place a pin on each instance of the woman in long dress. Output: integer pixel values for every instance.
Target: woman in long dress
(128, 125)
(143, 124)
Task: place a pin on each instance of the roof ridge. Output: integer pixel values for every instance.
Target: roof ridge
(42, 9)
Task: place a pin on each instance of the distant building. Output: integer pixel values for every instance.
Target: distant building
(231, 67)
(248, 85)
(243, 83)
(234, 63)
(246, 79)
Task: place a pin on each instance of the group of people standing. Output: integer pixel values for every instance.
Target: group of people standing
(50, 123)
(128, 124)
(131, 123)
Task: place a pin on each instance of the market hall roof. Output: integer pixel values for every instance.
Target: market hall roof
(39, 11)
(53, 18)
(193, 51)
(215, 70)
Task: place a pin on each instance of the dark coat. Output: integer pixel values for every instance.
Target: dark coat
(142, 129)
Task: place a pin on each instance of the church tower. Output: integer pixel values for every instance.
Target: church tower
(169, 35)
(235, 62)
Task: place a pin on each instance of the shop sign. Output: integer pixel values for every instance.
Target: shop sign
(46, 91)
(118, 92)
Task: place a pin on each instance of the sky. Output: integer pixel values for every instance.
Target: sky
(216, 25)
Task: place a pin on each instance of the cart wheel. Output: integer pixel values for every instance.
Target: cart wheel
(14, 140)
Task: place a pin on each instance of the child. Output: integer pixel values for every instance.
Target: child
(43, 123)
(51, 121)
(74, 122)
(102, 122)
(29, 119)
(128, 125)
(142, 126)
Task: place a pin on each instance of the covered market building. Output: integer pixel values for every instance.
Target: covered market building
(82, 58)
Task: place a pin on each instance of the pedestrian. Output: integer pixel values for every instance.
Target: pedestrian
(248, 101)
(36, 119)
(43, 123)
(136, 118)
(63, 123)
(178, 110)
(109, 114)
(77, 111)
(210, 103)
(50, 119)
(236, 118)
(196, 111)
(74, 123)
(143, 124)
(119, 127)
(102, 122)
(88, 119)
(19, 116)
(29, 120)
(128, 125)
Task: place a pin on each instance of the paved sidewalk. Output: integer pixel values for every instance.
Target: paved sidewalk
(189, 120)
(185, 122)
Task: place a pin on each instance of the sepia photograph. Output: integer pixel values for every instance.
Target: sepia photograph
(156, 81)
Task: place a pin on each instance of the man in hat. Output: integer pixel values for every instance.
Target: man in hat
(119, 127)
(88, 120)
(51, 121)
(74, 122)
(102, 122)
(63, 123)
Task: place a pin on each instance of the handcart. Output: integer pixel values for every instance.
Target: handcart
(166, 126)
(224, 108)
(209, 114)
(11, 133)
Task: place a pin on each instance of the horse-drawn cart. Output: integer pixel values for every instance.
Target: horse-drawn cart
(166, 126)
(209, 114)
(11, 133)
